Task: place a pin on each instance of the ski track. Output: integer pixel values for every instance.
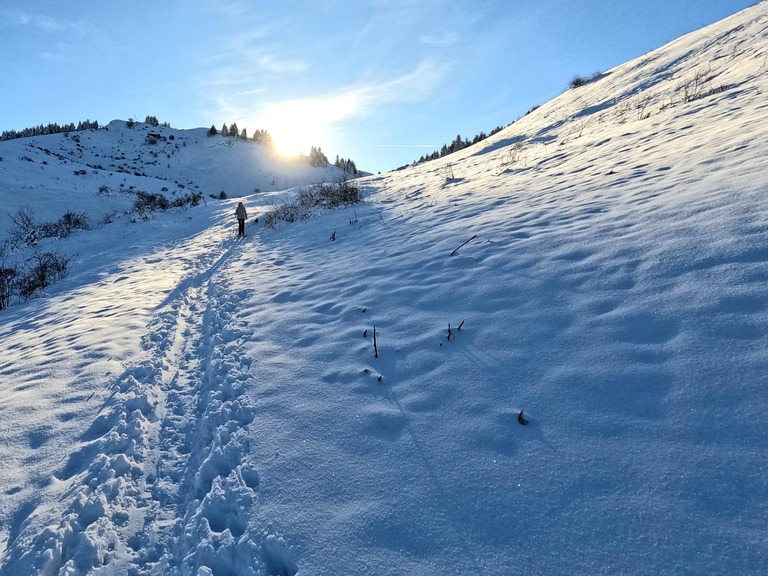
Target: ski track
(165, 465)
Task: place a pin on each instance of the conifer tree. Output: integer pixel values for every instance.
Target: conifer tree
(317, 158)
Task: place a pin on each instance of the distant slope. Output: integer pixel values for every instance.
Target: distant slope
(710, 73)
(99, 171)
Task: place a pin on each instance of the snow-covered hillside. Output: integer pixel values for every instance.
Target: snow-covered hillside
(99, 171)
(185, 402)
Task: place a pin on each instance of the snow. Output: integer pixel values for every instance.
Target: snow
(186, 402)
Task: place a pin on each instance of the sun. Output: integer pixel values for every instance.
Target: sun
(297, 125)
(294, 127)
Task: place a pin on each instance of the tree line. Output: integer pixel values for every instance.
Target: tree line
(316, 156)
(259, 136)
(52, 128)
(458, 143)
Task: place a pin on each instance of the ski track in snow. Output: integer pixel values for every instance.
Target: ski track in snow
(164, 466)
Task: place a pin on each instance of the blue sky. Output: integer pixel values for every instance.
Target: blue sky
(381, 82)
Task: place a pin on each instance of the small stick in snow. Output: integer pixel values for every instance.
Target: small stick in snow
(451, 335)
(467, 242)
(520, 418)
(375, 345)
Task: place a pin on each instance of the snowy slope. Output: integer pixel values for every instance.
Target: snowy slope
(188, 403)
(99, 171)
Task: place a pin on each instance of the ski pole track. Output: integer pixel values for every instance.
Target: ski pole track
(162, 483)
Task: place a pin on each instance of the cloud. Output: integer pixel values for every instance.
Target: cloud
(45, 23)
(271, 63)
(447, 39)
(361, 100)
(246, 61)
(60, 54)
(412, 87)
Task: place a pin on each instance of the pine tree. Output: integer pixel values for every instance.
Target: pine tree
(317, 158)
(212, 131)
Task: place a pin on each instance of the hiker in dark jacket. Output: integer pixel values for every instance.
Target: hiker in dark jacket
(242, 216)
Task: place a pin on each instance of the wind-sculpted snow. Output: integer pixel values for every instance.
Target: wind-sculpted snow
(189, 403)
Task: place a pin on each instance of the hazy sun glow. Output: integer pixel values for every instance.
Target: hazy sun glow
(297, 125)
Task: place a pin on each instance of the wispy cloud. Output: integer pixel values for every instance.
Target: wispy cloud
(246, 60)
(65, 41)
(60, 54)
(447, 39)
(44, 22)
(310, 118)
(272, 63)
(362, 99)
(412, 87)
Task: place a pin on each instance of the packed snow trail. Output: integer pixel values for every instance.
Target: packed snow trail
(161, 482)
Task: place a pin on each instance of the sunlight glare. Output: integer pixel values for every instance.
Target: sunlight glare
(297, 125)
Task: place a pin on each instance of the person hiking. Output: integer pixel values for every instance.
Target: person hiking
(242, 216)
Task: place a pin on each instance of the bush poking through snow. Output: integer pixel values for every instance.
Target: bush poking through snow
(579, 81)
(147, 203)
(318, 195)
(7, 285)
(326, 195)
(44, 268)
(27, 231)
(514, 154)
(24, 226)
(64, 226)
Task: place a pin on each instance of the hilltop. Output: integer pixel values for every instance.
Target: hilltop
(100, 171)
(567, 375)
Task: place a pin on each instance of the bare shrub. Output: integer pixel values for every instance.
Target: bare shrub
(578, 81)
(44, 268)
(319, 195)
(25, 227)
(192, 199)
(7, 284)
(693, 87)
(641, 105)
(147, 203)
(326, 195)
(284, 213)
(65, 225)
(512, 155)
